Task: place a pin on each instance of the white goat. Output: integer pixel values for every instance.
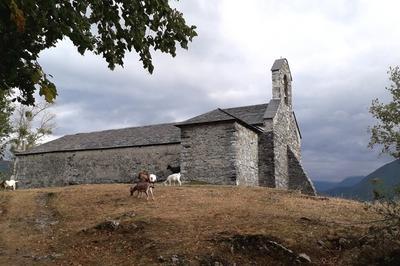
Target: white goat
(10, 183)
(173, 178)
(153, 178)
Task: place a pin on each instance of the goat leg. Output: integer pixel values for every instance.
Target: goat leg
(151, 192)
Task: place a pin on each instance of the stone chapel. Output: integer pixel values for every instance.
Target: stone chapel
(256, 145)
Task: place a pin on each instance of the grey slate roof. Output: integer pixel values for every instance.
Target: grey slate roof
(252, 115)
(278, 65)
(272, 108)
(212, 116)
(148, 135)
(125, 137)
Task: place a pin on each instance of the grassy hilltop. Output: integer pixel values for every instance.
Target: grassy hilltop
(188, 225)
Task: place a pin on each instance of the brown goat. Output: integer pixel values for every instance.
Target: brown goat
(145, 187)
(144, 176)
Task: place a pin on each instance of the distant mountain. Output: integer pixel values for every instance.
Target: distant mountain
(384, 179)
(350, 181)
(322, 186)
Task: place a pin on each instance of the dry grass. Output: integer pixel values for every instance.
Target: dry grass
(54, 226)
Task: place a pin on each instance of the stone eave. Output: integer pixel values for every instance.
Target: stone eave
(243, 123)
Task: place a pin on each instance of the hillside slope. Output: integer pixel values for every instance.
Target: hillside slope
(188, 225)
(350, 181)
(388, 176)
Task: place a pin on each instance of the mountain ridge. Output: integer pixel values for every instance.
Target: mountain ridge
(322, 186)
(385, 179)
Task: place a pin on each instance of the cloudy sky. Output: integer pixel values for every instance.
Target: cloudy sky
(339, 52)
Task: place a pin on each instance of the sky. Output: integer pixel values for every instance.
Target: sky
(338, 51)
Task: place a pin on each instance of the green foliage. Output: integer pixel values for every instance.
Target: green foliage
(381, 245)
(386, 231)
(385, 192)
(389, 209)
(6, 110)
(108, 28)
(387, 131)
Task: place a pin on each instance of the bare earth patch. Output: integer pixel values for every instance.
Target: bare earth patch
(188, 225)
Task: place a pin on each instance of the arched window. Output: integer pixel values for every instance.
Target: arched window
(286, 89)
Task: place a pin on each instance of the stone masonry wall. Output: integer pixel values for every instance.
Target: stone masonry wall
(246, 145)
(280, 128)
(96, 166)
(285, 137)
(208, 154)
(266, 169)
(298, 179)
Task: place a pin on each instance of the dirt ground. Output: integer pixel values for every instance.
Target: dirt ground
(188, 225)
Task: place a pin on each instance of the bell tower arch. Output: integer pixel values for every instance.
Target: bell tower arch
(282, 82)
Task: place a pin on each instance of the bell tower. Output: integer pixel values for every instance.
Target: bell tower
(282, 82)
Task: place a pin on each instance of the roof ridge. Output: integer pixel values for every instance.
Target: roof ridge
(240, 120)
(246, 106)
(115, 129)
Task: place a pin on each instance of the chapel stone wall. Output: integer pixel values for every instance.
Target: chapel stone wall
(119, 165)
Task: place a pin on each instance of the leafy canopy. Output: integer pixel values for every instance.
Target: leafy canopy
(387, 205)
(387, 131)
(107, 27)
